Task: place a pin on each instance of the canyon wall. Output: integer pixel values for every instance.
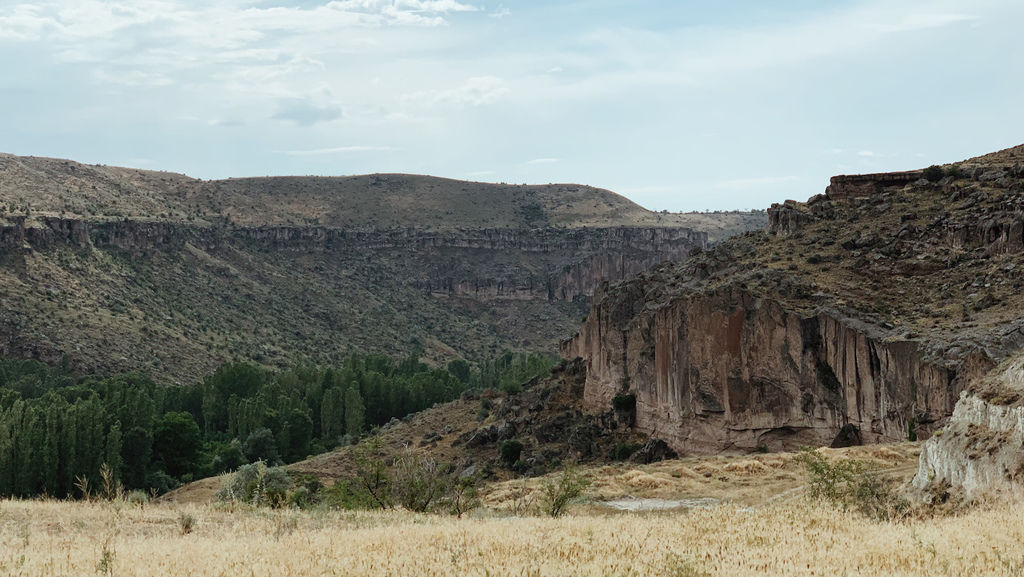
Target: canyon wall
(981, 449)
(725, 370)
(485, 264)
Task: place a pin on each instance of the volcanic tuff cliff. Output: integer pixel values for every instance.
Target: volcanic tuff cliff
(121, 269)
(981, 448)
(858, 316)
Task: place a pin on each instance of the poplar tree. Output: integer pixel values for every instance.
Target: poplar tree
(355, 413)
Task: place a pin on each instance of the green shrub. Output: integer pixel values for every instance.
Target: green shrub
(346, 494)
(257, 484)
(624, 402)
(933, 173)
(462, 496)
(624, 451)
(851, 484)
(371, 485)
(302, 498)
(510, 451)
(186, 523)
(558, 492)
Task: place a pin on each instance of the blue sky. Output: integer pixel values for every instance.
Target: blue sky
(678, 105)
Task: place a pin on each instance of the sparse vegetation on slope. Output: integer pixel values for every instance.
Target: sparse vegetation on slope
(121, 270)
(52, 186)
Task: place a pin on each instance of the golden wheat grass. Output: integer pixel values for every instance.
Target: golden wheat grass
(43, 538)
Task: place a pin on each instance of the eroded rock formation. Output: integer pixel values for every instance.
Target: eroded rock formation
(726, 370)
(981, 449)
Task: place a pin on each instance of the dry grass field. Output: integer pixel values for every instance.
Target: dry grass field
(752, 480)
(764, 526)
(796, 538)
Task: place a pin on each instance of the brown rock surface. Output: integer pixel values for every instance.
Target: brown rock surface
(872, 309)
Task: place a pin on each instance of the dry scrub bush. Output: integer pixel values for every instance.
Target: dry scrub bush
(257, 484)
(851, 484)
(559, 490)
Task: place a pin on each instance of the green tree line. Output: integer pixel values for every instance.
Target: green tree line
(57, 430)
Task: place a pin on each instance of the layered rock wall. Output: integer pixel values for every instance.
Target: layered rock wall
(726, 370)
(485, 264)
(856, 185)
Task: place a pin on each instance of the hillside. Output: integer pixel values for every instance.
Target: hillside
(858, 316)
(57, 187)
(551, 422)
(116, 269)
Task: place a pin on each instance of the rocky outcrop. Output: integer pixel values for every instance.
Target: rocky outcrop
(981, 449)
(728, 370)
(846, 186)
(41, 233)
(999, 233)
(786, 218)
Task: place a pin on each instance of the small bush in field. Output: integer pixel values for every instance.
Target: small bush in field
(559, 491)
(851, 484)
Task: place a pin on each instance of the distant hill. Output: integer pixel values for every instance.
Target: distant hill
(114, 269)
(63, 187)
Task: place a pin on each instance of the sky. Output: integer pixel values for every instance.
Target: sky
(678, 105)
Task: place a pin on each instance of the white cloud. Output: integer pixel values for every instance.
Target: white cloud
(543, 161)
(619, 59)
(223, 25)
(24, 22)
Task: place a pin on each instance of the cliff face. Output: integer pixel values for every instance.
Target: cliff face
(859, 316)
(981, 449)
(728, 370)
(176, 299)
(546, 264)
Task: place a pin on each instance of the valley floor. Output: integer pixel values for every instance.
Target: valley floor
(794, 538)
(762, 525)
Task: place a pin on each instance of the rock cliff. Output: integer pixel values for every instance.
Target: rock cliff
(859, 316)
(981, 449)
(114, 269)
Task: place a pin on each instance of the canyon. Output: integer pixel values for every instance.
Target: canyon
(112, 269)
